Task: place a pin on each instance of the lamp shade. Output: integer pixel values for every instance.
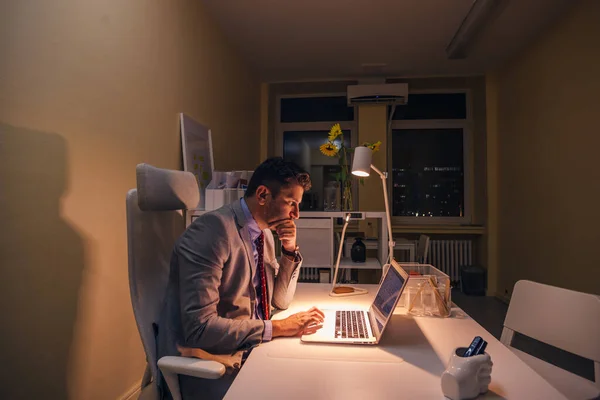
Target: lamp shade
(361, 164)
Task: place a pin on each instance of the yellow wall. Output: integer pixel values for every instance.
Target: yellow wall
(372, 126)
(491, 235)
(87, 91)
(548, 141)
(264, 120)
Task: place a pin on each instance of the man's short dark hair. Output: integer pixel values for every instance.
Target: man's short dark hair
(275, 173)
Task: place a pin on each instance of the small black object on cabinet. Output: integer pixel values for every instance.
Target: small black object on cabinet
(358, 252)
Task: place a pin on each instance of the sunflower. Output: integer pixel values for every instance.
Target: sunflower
(334, 132)
(375, 146)
(329, 149)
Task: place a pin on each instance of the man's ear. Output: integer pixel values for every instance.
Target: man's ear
(262, 192)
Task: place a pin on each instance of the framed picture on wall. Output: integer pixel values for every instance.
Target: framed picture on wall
(197, 153)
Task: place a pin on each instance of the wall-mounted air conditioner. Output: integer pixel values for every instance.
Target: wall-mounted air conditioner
(390, 93)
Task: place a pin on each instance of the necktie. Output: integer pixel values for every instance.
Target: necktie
(260, 244)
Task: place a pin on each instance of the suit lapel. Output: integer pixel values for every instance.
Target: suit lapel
(240, 219)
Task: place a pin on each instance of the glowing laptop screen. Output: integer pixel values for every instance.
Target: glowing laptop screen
(386, 299)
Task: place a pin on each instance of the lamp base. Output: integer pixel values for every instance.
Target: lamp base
(341, 291)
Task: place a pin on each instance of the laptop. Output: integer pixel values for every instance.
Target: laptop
(360, 326)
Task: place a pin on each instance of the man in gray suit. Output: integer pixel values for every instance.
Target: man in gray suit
(225, 279)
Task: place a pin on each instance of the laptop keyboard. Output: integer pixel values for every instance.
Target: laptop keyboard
(350, 325)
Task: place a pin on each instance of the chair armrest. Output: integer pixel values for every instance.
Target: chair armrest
(172, 366)
(206, 369)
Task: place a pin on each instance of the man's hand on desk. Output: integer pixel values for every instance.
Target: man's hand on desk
(306, 322)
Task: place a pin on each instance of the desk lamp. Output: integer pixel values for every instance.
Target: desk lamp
(361, 166)
(341, 291)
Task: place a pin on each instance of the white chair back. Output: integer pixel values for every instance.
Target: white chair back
(423, 249)
(154, 222)
(562, 318)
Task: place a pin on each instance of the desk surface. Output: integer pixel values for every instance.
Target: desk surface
(406, 365)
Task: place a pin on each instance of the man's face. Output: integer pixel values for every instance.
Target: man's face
(284, 206)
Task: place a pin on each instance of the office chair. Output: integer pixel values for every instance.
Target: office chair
(562, 318)
(154, 222)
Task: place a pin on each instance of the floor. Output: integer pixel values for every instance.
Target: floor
(490, 312)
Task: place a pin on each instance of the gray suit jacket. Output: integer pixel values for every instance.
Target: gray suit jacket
(210, 297)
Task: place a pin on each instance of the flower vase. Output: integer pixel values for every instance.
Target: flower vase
(332, 197)
(347, 196)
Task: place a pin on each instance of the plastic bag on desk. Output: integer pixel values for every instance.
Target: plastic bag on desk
(238, 179)
(427, 299)
(218, 180)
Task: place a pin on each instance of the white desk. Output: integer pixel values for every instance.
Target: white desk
(421, 347)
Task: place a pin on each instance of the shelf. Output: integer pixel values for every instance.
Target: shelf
(369, 243)
(439, 229)
(371, 263)
(340, 214)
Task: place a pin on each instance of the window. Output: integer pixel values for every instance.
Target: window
(429, 152)
(428, 172)
(434, 106)
(429, 159)
(303, 125)
(315, 109)
(302, 147)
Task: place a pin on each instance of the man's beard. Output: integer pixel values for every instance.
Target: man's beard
(274, 223)
(274, 217)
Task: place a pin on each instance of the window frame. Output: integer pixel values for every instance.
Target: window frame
(468, 159)
(281, 127)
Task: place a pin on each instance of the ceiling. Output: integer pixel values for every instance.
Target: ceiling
(286, 40)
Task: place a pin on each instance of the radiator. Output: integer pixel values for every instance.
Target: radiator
(308, 274)
(449, 255)
(446, 255)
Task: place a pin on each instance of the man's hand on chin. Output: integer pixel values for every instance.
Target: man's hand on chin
(286, 231)
(306, 322)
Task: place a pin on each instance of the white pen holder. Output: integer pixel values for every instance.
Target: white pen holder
(466, 377)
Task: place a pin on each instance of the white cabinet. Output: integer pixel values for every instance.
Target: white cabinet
(316, 238)
(316, 245)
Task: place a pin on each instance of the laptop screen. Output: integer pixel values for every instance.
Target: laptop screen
(386, 299)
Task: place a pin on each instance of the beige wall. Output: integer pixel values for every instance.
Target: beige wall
(87, 91)
(490, 239)
(372, 127)
(264, 120)
(548, 141)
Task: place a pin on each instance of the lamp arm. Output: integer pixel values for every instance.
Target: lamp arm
(337, 264)
(391, 242)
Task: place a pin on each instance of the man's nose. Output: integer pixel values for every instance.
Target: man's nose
(295, 214)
